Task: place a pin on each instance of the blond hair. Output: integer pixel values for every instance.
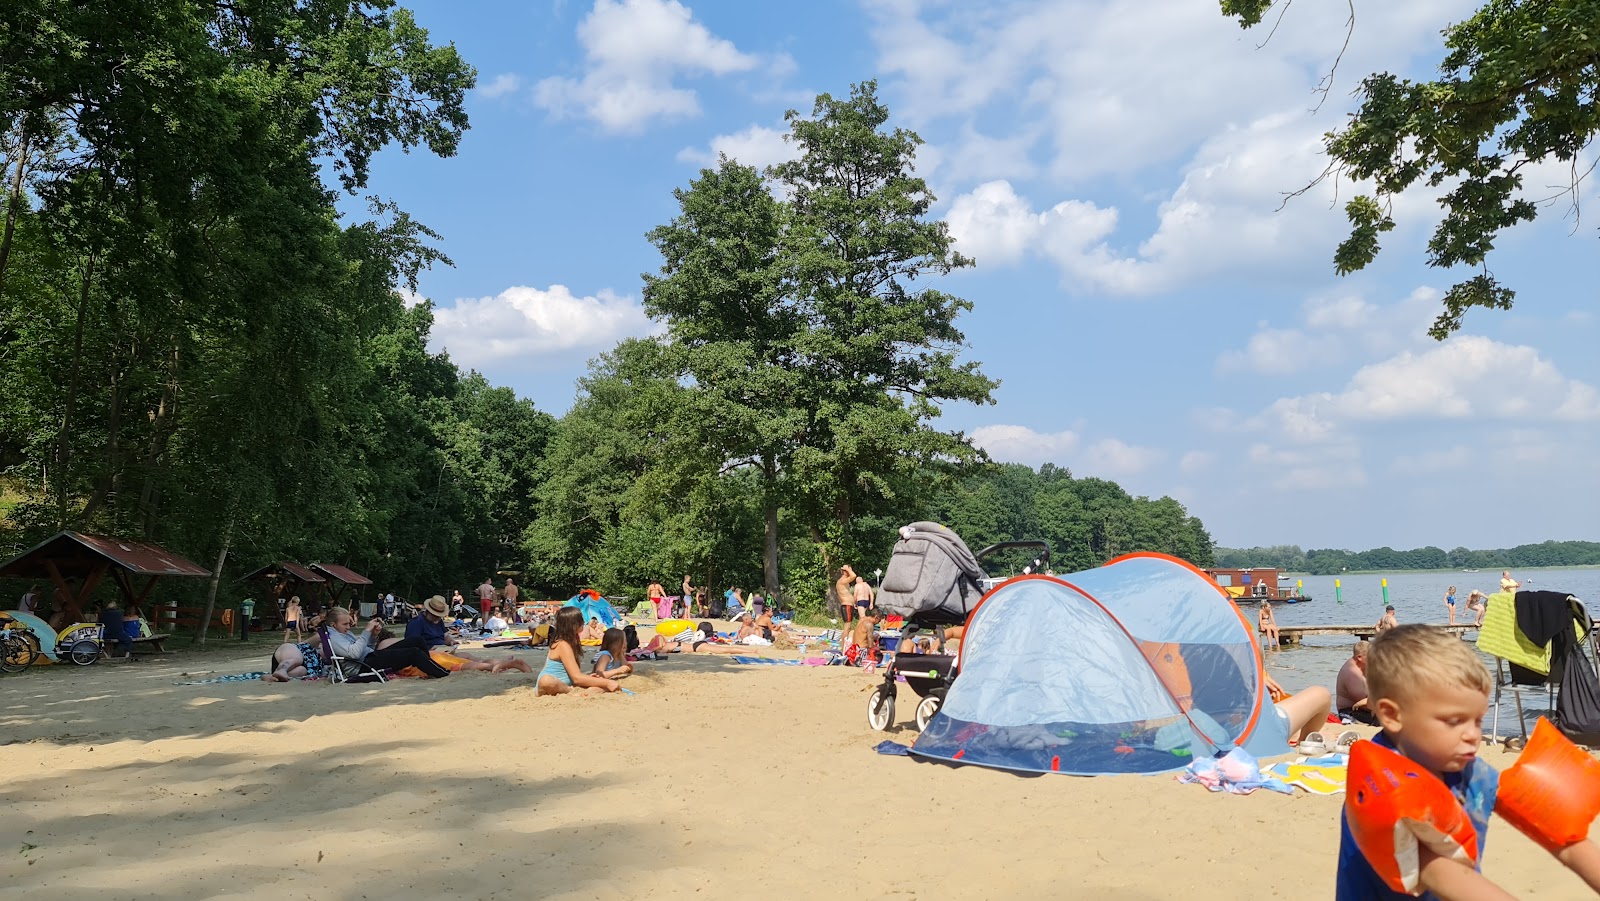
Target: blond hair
(1407, 658)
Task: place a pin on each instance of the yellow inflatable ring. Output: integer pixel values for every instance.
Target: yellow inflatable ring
(670, 627)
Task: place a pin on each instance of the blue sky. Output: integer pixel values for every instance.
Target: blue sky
(1116, 169)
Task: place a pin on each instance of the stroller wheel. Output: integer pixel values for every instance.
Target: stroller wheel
(84, 653)
(880, 708)
(927, 708)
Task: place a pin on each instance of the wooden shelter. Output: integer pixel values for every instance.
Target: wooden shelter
(345, 579)
(284, 580)
(87, 559)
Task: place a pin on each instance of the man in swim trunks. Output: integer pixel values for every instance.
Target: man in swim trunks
(485, 598)
(864, 596)
(847, 598)
(1350, 694)
(1388, 622)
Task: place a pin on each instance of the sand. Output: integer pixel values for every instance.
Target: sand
(713, 781)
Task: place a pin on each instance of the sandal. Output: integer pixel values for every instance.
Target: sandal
(1345, 740)
(1313, 745)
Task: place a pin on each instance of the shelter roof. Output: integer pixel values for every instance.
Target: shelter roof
(74, 551)
(302, 573)
(340, 574)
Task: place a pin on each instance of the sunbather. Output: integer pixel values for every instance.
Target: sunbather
(593, 631)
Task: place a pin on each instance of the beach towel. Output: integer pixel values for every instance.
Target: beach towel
(892, 748)
(1237, 773)
(1317, 775)
(236, 677)
(768, 661)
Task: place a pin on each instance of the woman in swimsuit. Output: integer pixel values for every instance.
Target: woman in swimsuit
(563, 670)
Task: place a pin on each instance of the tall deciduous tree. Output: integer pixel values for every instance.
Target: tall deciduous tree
(1517, 87)
(879, 356)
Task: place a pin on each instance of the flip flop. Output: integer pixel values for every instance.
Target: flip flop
(1313, 745)
(1345, 740)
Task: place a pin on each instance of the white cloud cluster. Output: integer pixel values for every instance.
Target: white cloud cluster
(521, 322)
(756, 146)
(634, 52)
(501, 85)
(1107, 457)
(1465, 378)
(1333, 330)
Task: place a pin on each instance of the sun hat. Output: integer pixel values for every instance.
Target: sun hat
(437, 606)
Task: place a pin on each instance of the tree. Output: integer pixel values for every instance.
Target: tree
(877, 358)
(1516, 88)
(734, 330)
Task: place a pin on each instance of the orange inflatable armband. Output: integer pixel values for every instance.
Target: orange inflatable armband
(1394, 807)
(1552, 793)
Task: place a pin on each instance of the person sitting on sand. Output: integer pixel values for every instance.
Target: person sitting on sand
(747, 628)
(863, 640)
(1350, 694)
(363, 648)
(563, 669)
(1306, 711)
(429, 628)
(593, 631)
(1268, 622)
(1388, 622)
(765, 626)
(733, 606)
(611, 661)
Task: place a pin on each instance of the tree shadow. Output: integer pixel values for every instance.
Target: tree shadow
(354, 821)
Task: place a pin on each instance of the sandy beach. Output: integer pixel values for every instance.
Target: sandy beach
(714, 780)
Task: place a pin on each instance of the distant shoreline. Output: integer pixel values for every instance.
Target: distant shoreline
(1394, 572)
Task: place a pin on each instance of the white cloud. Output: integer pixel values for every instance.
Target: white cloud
(501, 85)
(1020, 444)
(411, 298)
(1107, 457)
(522, 321)
(1110, 457)
(634, 52)
(1336, 465)
(1432, 462)
(1196, 461)
(1465, 378)
(1334, 330)
(756, 146)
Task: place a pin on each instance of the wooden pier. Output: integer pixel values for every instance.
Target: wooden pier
(1291, 635)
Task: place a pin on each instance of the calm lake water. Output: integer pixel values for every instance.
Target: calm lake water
(1417, 598)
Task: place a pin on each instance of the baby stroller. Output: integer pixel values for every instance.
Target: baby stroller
(933, 580)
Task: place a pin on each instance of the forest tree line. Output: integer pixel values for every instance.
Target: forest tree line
(199, 349)
(1330, 561)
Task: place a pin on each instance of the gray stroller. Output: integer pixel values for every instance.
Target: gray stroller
(933, 580)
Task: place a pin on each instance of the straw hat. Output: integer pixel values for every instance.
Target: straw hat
(437, 606)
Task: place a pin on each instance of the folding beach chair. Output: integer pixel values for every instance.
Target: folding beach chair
(1521, 668)
(336, 665)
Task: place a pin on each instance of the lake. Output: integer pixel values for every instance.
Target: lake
(1418, 597)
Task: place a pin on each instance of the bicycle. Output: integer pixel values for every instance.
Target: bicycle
(18, 647)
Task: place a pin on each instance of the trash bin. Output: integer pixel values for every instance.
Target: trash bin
(247, 609)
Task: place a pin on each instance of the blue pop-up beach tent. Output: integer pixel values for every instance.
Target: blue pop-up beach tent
(594, 606)
(1136, 667)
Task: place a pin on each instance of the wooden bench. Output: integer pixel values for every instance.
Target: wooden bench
(155, 642)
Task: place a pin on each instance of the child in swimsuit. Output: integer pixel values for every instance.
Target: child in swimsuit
(563, 670)
(1450, 603)
(291, 620)
(611, 661)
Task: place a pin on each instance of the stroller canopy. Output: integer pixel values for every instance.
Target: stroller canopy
(593, 606)
(1136, 667)
(932, 577)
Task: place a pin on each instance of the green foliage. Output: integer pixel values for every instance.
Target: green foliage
(1516, 87)
(1086, 521)
(1327, 562)
(194, 348)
